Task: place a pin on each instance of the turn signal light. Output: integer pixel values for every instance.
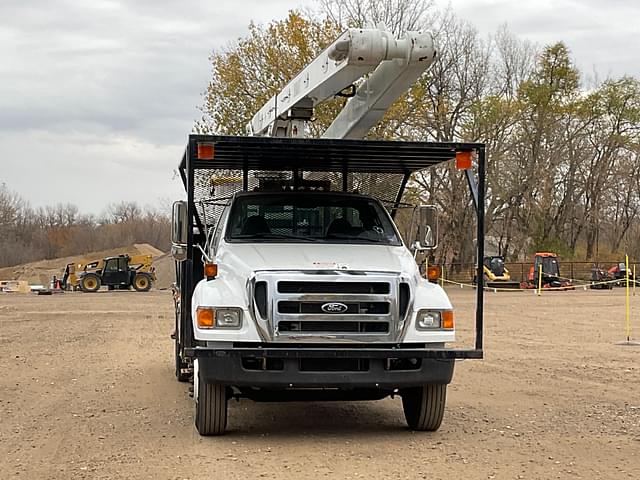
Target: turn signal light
(205, 317)
(447, 320)
(463, 160)
(210, 270)
(434, 272)
(205, 151)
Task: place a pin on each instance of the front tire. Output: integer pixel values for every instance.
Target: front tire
(211, 408)
(424, 406)
(142, 282)
(90, 283)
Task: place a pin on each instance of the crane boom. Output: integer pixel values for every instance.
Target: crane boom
(383, 87)
(395, 63)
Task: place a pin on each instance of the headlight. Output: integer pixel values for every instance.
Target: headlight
(226, 317)
(428, 320)
(434, 320)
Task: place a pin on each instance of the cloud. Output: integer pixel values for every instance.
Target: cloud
(89, 169)
(95, 95)
(598, 33)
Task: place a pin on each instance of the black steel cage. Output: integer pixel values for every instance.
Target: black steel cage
(213, 168)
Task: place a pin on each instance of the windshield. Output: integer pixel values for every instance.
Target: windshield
(309, 217)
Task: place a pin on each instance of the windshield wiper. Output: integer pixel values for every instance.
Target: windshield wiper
(276, 235)
(367, 239)
(349, 237)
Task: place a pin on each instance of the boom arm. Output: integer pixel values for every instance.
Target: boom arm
(396, 64)
(383, 87)
(141, 263)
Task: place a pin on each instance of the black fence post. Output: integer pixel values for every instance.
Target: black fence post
(572, 277)
(480, 247)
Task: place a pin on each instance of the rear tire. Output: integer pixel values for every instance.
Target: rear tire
(90, 283)
(424, 406)
(142, 282)
(211, 408)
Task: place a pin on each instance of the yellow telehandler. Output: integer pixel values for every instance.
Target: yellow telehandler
(119, 272)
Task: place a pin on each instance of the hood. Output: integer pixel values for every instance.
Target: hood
(242, 258)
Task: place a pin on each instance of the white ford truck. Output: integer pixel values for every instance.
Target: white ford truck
(293, 283)
(292, 280)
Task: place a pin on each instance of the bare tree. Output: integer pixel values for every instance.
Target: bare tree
(398, 16)
(124, 212)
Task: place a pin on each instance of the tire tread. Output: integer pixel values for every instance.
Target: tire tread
(424, 406)
(211, 409)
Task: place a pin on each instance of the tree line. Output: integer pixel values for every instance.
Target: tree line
(29, 234)
(563, 150)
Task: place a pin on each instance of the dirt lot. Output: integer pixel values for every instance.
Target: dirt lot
(88, 391)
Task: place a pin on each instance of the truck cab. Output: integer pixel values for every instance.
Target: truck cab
(294, 283)
(316, 267)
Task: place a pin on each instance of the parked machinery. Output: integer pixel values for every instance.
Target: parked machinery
(496, 274)
(120, 272)
(600, 279)
(619, 272)
(546, 271)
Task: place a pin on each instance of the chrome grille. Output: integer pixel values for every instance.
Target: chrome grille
(332, 327)
(285, 286)
(330, 305)
(352, 308)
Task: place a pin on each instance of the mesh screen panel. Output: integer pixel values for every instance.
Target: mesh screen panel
(383, 186)
(214, 187)
(212, 191)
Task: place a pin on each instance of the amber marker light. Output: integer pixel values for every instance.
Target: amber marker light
(205, 151)
(434, 272)
(447, 320)
(205, 317)
(463, 160)
(210, 270)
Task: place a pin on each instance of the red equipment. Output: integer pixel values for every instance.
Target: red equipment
(550, 273)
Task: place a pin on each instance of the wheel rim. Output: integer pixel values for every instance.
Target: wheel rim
(142, 282)
(90, 283)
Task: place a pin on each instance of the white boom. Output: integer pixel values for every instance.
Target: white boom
(395, 65)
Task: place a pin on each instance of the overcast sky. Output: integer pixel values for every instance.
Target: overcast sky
(97, 97)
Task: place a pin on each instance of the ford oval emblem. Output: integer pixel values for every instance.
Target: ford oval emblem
(334, 307)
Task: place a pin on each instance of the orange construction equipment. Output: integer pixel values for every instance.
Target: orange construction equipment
(550, 275)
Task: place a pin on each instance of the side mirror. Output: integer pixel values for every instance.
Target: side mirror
(427, 231)
(179, 230)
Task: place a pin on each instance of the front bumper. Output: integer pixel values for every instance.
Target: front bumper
(281, 368)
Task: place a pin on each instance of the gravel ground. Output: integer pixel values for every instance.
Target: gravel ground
(88, 391)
